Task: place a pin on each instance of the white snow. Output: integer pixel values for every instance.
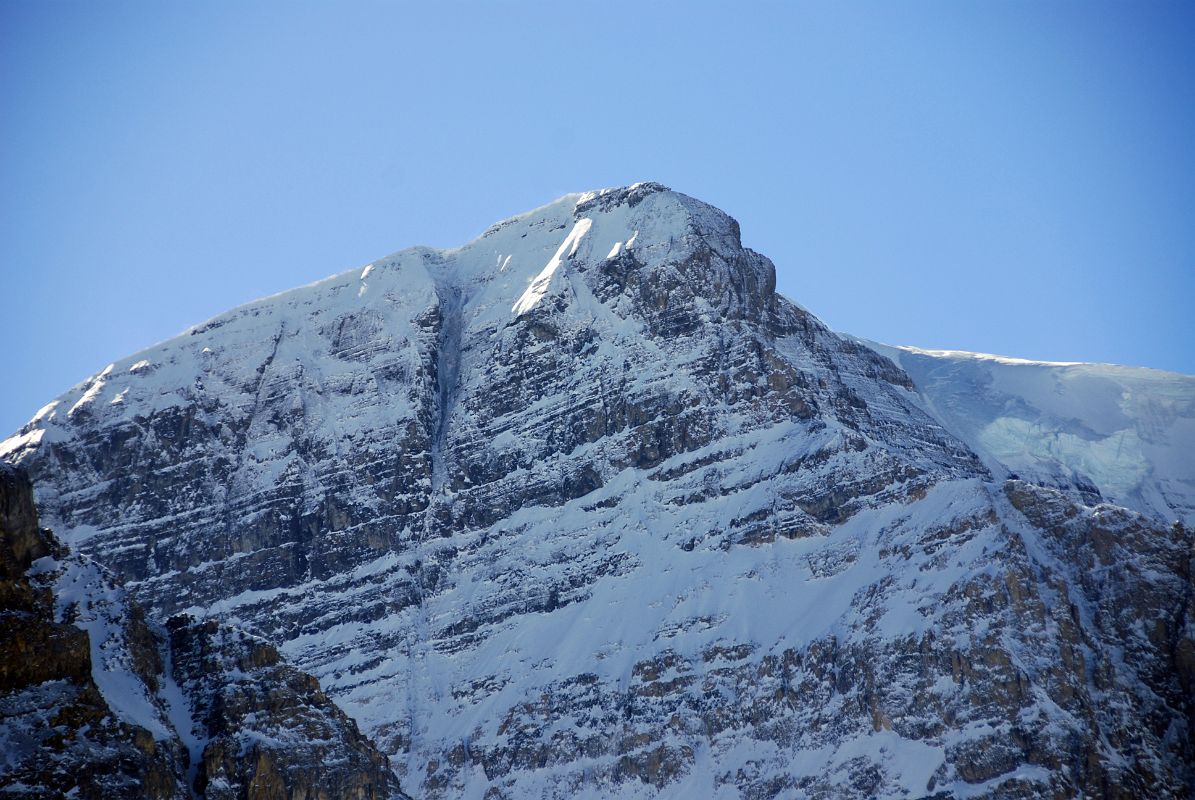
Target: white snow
(178, 711)
(95, 386)
(965, 354)
(1129, 431)
(21, 441)
(539, 284)
(84, 593)
(45, 410)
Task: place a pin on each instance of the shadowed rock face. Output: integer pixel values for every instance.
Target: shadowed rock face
(271, 731)
(92, 697)
(58, 732)
(585, 508)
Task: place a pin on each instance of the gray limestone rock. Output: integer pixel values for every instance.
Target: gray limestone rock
(98, 702)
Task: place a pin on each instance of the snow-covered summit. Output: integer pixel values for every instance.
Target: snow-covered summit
(508, 271)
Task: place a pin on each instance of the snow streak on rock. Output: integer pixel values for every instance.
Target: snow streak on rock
(96, 702)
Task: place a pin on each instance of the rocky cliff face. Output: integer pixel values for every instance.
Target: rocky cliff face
(58, 732)
(269, 729)
(585, 508)
(96, 702)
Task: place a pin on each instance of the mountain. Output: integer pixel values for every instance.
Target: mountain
(98, 702)
(584, 508)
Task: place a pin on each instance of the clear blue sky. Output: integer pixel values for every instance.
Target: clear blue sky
(1008, 177)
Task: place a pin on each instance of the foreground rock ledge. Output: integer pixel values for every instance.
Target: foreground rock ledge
(97, 702)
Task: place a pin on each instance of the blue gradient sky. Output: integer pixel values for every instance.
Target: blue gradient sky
(1011, 177)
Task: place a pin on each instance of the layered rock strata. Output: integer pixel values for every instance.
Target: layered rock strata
(98, 702)
(585, 508)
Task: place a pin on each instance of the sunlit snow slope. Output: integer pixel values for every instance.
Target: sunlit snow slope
(1123, 434)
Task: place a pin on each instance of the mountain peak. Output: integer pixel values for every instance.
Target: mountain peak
(521, 504)
(629, 195)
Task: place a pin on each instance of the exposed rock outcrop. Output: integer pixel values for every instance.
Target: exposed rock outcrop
(96, 702)
(270, 731)
(58, 732)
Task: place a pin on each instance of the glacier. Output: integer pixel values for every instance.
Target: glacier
(1124, 434)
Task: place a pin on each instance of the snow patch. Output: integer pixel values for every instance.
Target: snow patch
(92, 603)
(44, 411)
(21, 441)
(539, 285)
(178, 711)
(985, 357)
(97, 385)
